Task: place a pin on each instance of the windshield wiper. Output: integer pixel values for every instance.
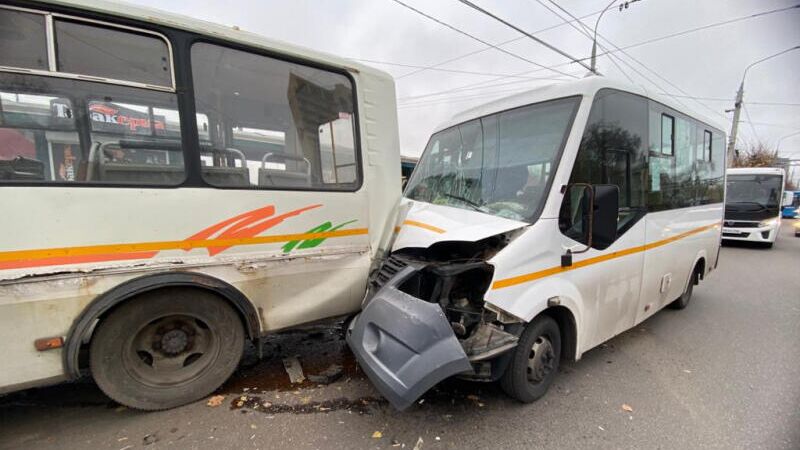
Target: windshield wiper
(474, 205)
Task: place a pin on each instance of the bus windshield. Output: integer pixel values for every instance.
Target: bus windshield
(755, 190)
(501, 164)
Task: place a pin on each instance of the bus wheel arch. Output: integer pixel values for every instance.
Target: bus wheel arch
(83, 327)
(695, 275)
(568, 329)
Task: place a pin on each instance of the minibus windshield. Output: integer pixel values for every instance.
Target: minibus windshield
(755, 190)
(501, 164)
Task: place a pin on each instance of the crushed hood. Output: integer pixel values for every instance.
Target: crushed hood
(423, 224)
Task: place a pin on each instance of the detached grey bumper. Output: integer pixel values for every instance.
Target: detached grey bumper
(405, 345)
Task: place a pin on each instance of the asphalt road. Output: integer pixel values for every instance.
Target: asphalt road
(724, 373)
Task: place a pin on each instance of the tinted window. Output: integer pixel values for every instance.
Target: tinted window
(667, 134)
(109, 53)
(613, 150)
(501, 164)
(23, 38)
(272, 123)
(691, 175)
(62, 130)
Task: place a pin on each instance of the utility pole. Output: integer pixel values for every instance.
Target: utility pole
(737, 109)
(740, 98)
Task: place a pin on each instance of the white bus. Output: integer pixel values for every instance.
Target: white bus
(536, 227)
(753, 204)
(171, 188)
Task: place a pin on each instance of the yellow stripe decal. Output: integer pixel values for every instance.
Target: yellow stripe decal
(110, 249)
(519, 279)
(414, 223)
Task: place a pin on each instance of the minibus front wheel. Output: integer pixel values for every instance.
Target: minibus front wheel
(166, 348)
(535, 361)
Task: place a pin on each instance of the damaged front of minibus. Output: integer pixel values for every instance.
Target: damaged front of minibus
(480, 186)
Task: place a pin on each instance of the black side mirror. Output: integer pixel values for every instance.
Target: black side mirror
(589, 215)
(606, 215)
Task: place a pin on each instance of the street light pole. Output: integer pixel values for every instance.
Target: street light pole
(737, 105)
(594, 41)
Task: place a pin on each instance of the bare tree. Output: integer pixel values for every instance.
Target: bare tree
(757, 155)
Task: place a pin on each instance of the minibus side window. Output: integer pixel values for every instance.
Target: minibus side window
(613, 151)
(274, 124)
(692, 174)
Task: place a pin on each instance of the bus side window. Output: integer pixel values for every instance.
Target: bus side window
(274, 124)
(38, 138)
(120, 127)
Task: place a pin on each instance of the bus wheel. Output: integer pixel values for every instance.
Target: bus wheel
(534, 363)
(166, 348)
(683, 301)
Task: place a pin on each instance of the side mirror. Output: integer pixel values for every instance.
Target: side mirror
(589, 215)
(606, 215)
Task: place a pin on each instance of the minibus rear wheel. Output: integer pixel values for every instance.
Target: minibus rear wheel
(535, 361)
(166, 348)
(683, 301)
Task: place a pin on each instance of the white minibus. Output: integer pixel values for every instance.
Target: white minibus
(536, 227)
(753, 204)
(171, 188)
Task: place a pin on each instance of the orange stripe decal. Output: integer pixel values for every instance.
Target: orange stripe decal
(414, 223)
(519, 279)
(19, 259)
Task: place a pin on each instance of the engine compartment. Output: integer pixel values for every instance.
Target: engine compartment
(456, 275)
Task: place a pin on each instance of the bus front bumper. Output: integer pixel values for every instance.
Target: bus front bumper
(760, 234)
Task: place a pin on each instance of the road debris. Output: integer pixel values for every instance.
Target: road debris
(627, 407)
(377, 435)
(294, 369)
(215, 401)
(418, 445)
(149, 439)
(329, 375)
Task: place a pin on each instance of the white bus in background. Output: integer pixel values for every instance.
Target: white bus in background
(537, 227)
(753, 204)
(171, 188)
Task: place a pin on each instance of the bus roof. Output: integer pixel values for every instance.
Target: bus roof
(228, 33)
(757, 171)
(585, 87)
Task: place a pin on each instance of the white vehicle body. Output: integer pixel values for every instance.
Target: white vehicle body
(281, 251)
(604, 292)
(753, 208)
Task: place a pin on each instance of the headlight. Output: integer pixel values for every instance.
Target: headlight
(767, 223)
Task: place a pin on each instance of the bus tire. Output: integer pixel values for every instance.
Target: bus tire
(534, 363)
(166, 348)
(683, 301)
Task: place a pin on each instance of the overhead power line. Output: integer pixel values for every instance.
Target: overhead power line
(466, 72)
(584, 30)
(475, 52)
(703, 27)
(471, 36)
(530, 72)
(525, 33)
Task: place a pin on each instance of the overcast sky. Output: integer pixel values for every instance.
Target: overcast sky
(707, 63)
